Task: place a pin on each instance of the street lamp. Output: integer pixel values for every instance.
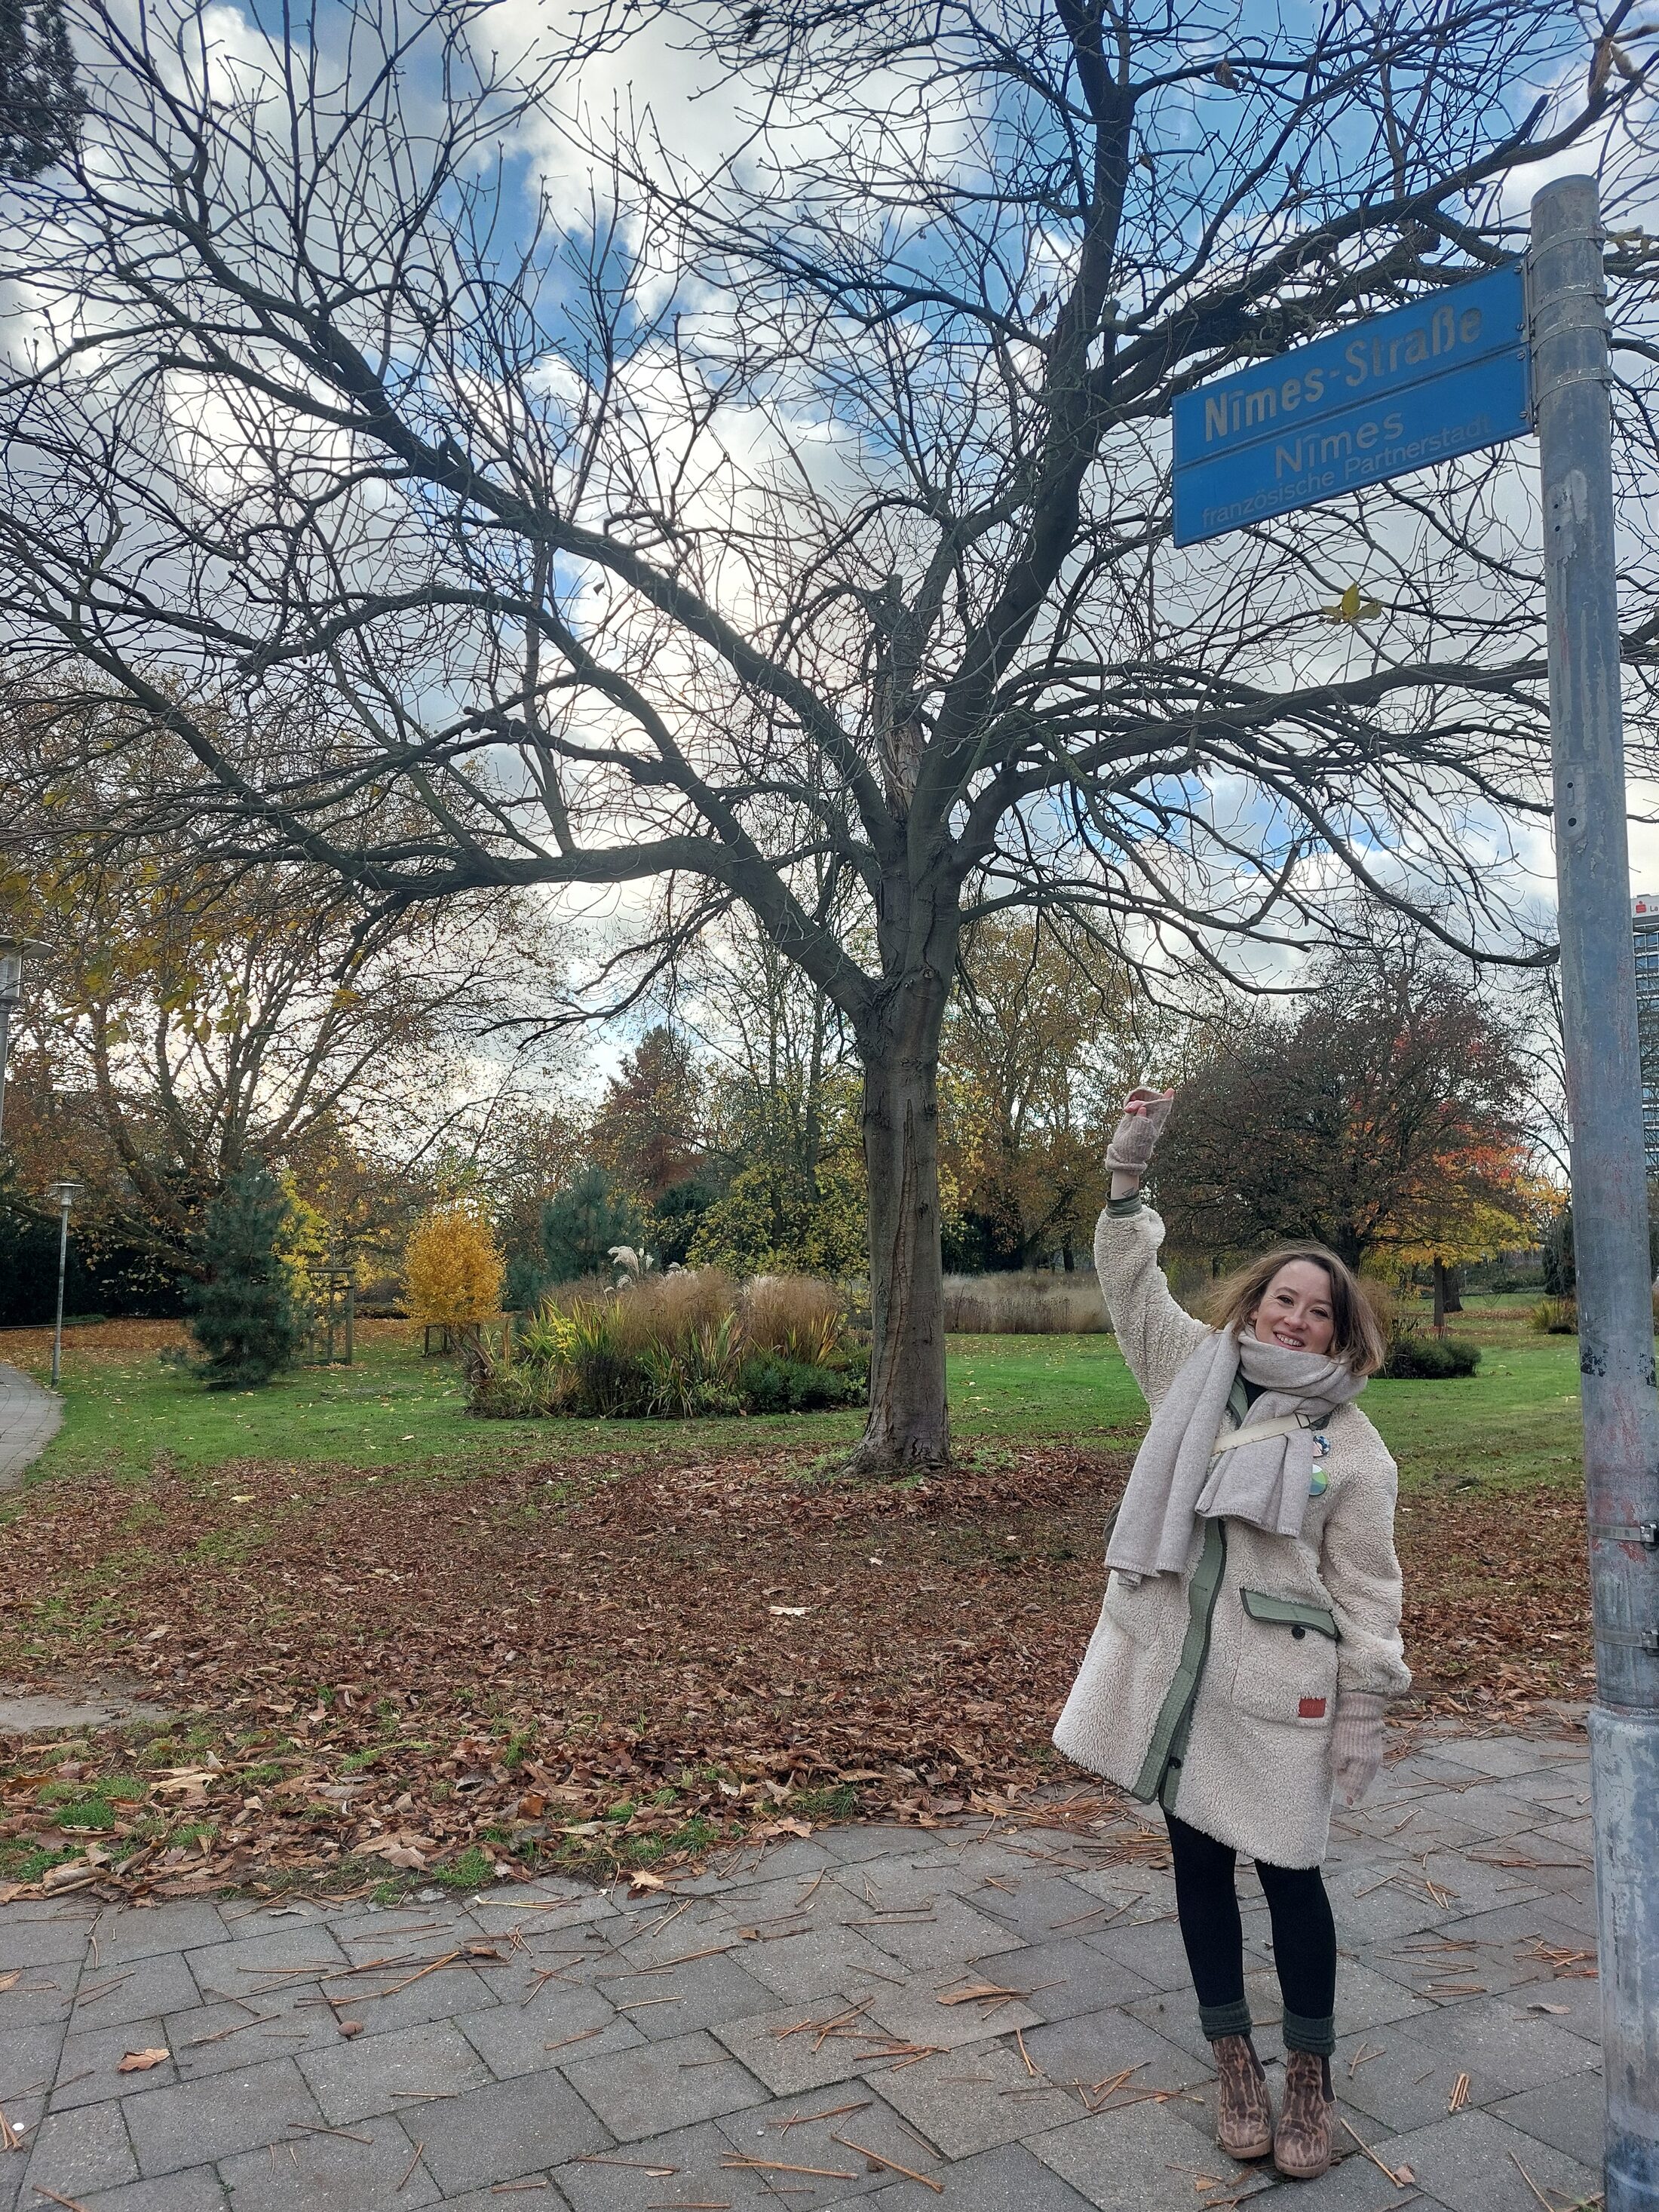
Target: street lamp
(62, 1194)
(12, 949)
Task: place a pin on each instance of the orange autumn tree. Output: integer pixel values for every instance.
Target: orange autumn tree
(452, 1270)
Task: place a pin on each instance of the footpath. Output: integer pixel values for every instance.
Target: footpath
(981, 2021)
(28, 1420)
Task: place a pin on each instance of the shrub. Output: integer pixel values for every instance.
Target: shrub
(242, 1317)
(1414, 1358)
(769, 1384)
(1555, 1317)
(668, 1348)
(452, 1270)
(1027, 1304)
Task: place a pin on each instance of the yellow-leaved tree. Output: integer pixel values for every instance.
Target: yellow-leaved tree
(452, 1270)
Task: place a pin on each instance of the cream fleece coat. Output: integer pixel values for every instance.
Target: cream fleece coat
(1256, 1768)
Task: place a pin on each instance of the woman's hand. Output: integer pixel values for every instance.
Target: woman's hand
(1135, 1138)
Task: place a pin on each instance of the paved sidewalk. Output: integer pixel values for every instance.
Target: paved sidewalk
(28, 1421)
(750, 2037)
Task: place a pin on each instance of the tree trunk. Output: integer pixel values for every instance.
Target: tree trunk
(908, 1427)
(1440, 1298)
(1454, 1289)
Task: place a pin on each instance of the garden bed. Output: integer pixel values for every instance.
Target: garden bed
(607, 1662)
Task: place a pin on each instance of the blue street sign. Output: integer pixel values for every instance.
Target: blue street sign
(1444, 376)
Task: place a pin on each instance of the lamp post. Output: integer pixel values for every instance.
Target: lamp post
(62, 1194)
(12, 949)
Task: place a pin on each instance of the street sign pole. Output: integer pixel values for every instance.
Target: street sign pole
(1570, 389)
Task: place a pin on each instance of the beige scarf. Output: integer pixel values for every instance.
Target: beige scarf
(1178, 1475)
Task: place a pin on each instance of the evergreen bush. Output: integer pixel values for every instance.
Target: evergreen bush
(1414, 1358)
(242, 1317)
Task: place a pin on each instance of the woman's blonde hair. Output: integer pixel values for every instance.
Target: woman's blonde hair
(1358, 1338)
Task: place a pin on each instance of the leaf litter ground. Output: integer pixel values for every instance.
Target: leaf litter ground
(621, 1665)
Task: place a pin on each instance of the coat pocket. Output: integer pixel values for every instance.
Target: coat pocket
(1286, 1666)
(1134, 1607)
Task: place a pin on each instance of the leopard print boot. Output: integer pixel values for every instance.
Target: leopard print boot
(1302, 2141)
(1245, 2123)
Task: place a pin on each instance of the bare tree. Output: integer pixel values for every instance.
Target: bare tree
(794, 526)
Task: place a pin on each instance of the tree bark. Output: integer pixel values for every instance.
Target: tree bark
(1439, 1297)
(908, 1427)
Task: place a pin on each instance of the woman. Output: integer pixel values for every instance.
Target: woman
(1249, 1640)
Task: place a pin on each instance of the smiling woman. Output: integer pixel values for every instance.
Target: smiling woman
(1250, 1632)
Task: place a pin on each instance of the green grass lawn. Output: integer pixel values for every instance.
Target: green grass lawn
(1517, 1420)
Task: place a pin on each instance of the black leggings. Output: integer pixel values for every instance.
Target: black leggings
(1304, 1940)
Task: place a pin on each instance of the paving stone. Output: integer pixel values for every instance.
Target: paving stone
(356, 2079)
(155, 1985)
(789, 2063)
(874, 2126)
(513, 2040)
(87, 2066)
(969, 2100)
(43, 1941)
(199, 2191)
(849, 1846)
(824, 1959)
(217, 2039)
(1092, 2047)
(508, 2131)
(326, 2173)
(693, 2154)
(76, 2152)
(436, 1997)
(423, 1931)
(1008, 2180)
(1370, 1905)
(914, 2014)
(1062, 1976)
(1468, 2164)
(1410, 2083)
(670, 2001)
(1501, 1808)
(953, 1935)
(1152, 1950)
(1403, 1824)
(1034, 1907)
(133, 1931)
(198, 2122)
(1119, 2161)
(1569, 2115)
(1139, 1893)
(1502, 1756)
(228, 1969)
(43, 2000)
(667, 2084)
(29, 2055)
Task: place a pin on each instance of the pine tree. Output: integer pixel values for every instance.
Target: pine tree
(41, 109)
(580, 1225)
(242, 1317)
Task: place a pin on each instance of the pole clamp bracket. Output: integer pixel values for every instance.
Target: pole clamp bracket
(1630, 1639)
(1642, 1532)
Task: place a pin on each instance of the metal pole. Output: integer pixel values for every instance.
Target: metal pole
(63, 1262)
(5, 1055)
(1609, 1188)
